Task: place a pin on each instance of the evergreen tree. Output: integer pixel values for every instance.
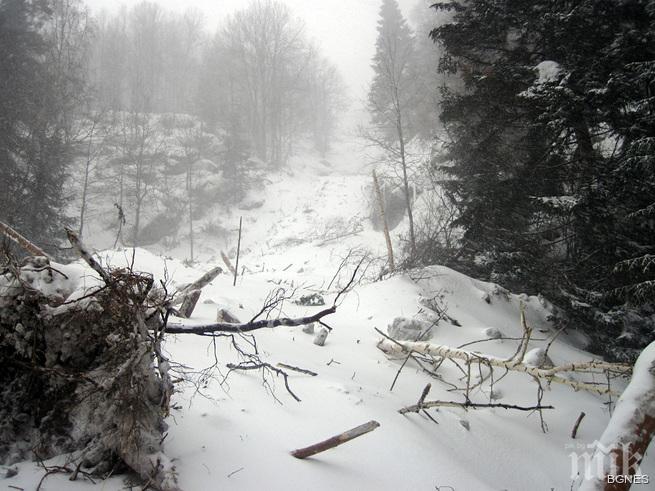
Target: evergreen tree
(552, 155)
(35, 144)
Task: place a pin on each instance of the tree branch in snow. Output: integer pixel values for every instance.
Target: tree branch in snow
(335, 441)
(248, 326)
(466, 405)
(574, 431)
(21, 241)
(251, 365)
(513, 364)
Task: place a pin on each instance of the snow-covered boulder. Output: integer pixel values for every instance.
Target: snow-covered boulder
(404, 329)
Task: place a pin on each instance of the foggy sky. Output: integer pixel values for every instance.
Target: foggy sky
(345, 30)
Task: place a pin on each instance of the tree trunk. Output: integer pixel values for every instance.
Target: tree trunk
(387, 237)
(624, 442)
(408, 197)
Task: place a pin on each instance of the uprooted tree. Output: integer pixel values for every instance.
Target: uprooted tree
(84, 371)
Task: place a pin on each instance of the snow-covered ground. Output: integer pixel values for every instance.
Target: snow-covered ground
(238, 434)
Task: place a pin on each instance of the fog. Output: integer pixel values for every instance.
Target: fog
(344, 29)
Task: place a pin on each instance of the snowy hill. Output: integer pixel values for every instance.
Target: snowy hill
(237, 432)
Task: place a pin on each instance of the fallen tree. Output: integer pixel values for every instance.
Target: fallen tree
(516, 363)
(84, 372)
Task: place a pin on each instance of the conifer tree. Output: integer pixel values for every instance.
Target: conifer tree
(551, 158)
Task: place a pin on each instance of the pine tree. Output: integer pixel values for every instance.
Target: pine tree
(35, 146)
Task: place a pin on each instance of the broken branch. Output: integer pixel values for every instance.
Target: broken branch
(248, 326)
(467, 404)
(21, 241)
(335, 441)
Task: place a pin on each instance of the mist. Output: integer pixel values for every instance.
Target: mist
(348, 244)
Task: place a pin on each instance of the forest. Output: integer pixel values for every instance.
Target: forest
(205, 217)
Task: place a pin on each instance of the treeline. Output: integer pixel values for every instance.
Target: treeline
(550, 157)
(114, 115)
(258, 77)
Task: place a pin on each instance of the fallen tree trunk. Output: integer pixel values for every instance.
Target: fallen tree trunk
(516, 363)
(621, 448)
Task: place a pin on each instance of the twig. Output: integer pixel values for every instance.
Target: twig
(297, 369)
(574, 432)
(425, 393)
(256, 366)
(468, 404)
(234, 472)
(335, 441)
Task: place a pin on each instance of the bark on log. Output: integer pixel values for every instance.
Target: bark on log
(623, 444)
(335, 441)
(189, 304)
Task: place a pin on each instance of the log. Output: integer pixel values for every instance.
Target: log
(199, 284)
(21, 241)
(335, 441)
(621, 448)
(189, 304)
(514, 364)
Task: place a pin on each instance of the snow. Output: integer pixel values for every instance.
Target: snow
(548, 71)
(237, 434)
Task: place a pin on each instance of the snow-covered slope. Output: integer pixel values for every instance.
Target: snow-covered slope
(236, 433)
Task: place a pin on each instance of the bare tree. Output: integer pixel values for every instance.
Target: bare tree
(390, 97)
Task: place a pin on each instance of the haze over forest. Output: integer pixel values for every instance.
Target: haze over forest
(233, 228)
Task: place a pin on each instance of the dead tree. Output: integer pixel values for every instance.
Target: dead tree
(516, 363)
